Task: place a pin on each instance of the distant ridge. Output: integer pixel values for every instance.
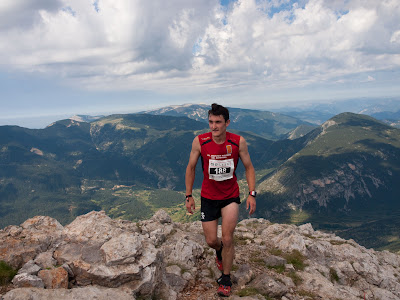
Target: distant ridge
(270, 125)
(86, 118)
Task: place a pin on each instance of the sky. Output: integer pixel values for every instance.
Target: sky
(59, 58)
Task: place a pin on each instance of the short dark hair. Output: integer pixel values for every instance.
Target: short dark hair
(218, 110)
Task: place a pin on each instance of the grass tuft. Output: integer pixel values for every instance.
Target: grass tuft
(279, 269)
(7, 273)
(296, 259)
(250, 291)
(333, 275)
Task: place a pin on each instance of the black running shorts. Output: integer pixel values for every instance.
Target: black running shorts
(211, 209)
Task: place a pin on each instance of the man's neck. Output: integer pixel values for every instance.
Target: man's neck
(220, 139)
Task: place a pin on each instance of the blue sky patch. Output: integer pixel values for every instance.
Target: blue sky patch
(96, 5)
(69, 10)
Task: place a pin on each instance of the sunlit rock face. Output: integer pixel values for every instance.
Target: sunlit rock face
(96, 256)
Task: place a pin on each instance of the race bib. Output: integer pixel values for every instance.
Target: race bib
(220, 170)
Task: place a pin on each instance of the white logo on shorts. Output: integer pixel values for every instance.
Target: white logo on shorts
(203, 216)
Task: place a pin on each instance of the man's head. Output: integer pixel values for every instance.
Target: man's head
(219, 110)
(218, 120)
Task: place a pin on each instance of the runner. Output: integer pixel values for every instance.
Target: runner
(220, 152)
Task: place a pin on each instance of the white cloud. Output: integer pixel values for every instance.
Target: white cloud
(198, 44)
(370, 78)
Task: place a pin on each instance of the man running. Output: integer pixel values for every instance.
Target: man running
(220, 152)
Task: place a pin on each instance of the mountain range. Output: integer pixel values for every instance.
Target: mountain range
(340, 176)
(386, 110)
(267, 124)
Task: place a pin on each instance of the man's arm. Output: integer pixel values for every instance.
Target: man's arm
(190, 173)
(250, 174)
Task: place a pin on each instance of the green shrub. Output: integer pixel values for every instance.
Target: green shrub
(250, 291)
(258, 260)
(296, 259)
(276, 252)
(7, 273)
(280, 269)
(333, 274)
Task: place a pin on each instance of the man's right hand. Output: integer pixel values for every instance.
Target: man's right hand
(190, 206)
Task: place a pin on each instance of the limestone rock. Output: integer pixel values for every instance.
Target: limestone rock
(383, 294)
(289, 240)
(177, 282)
(162, 217)
(243, 275)
(27, 280)
(274, 261)
(21, 244)
(133, 262)
(82, 293)
(185, 252)
(123, 249)
(265, 284)
(254, 297)
(29, 268)
(174, 269)
(157, 258)
(54, 278)
(45, 260)
(306, 229)
(92, 227)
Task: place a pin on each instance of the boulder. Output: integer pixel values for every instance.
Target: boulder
(176, 282)
(274, 261)
(290, 240)
(81, 293)
(93, 227)
(162, 217)
(29, 268)
(267, 285)
(27, 280)
(243, 275)
(22, 244)
(54, 278)
(306, 229)
(45, 260)
(185, 252)
(158, 258)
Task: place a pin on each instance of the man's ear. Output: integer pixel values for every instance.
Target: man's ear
(228, 122)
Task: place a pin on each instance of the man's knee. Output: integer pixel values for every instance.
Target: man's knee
(227, 240)
(212, 242)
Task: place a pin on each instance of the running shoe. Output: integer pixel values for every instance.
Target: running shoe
(224, 290)
(219, 279)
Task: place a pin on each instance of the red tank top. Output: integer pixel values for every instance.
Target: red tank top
(219, 163)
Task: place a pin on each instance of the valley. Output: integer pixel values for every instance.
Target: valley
(341, 176)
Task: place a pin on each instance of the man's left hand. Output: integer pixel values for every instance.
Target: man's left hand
(251, 202)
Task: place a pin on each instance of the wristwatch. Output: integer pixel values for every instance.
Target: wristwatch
(187, 197)
(253, 193)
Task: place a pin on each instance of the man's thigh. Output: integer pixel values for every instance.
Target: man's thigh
(210, 229)
(230, 214)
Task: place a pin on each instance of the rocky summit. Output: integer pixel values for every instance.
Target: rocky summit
(96, 257)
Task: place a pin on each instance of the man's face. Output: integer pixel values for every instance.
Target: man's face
(217, 125)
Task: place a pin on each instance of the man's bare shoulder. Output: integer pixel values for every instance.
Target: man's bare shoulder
(196, 144)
